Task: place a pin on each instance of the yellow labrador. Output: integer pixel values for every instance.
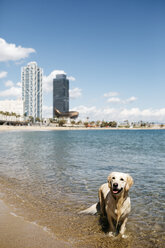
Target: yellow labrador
(114, 202)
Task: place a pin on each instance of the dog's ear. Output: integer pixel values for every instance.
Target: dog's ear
(109, 180)
(129, 183)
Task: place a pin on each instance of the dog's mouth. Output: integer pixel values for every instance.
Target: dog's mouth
(116, 191)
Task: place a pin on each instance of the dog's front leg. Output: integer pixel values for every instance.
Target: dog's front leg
(112, 227)
(123, 228)
(102, 203)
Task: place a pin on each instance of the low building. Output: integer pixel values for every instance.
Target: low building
(124, 124)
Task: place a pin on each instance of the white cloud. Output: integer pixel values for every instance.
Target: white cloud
(71, 78)
(12, 92)
(48, 80)
(146, 114)
(94, 113)
(85, 110)
(108, 114)
(3, 74)
(107, 111)
(118, 100)
(19, 84)
(47, 111)
(75, 93)
(111, 94)
(9, 51)
(114, 100)
(9, 83)
(135, 114)
(130, 112)
(131, 99)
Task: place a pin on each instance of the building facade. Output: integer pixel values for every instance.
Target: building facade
(31, 78)
(60, 94)
(13, 106)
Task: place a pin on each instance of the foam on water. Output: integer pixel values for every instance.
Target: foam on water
(13, 214)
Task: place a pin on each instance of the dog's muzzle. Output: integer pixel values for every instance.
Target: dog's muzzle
(115, 189)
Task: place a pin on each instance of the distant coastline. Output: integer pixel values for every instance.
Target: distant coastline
(52, 128)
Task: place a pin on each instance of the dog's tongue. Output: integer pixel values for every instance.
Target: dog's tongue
(115, 191)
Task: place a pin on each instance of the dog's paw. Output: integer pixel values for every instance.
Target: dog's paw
(111, 234)
(124, 236)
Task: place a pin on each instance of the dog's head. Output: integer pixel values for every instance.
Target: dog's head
(118, 182)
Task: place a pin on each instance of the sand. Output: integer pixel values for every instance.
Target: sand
(51, 128)
(31, 128)
(15, 232)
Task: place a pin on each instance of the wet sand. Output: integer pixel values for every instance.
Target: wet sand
(15, 232)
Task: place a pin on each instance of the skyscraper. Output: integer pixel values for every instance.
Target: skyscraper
(31, 78)
(60, 94)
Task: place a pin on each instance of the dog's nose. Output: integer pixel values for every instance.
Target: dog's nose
(115, 185)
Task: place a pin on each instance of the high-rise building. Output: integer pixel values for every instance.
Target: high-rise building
(31, 77)
(60, 94)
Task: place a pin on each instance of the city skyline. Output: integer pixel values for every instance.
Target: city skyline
(112, 52)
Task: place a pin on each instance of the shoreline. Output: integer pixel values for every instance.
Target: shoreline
(4, 128)
(16, 232)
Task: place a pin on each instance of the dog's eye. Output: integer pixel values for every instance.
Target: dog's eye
(121, 179)
(113, 177)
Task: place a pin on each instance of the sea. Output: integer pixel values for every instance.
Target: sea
(48, 177)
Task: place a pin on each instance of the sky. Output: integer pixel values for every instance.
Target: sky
(112, 51)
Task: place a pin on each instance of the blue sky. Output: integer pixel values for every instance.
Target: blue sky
(112, 51)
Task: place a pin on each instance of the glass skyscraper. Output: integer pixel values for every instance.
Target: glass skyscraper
(31, 78)
(60, 94)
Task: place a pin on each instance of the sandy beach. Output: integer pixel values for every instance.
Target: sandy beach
(51, 128)
(16, 232)
(32, 128)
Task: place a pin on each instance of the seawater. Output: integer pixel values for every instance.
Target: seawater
(48, 177)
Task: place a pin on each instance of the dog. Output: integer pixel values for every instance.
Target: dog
(114, 202)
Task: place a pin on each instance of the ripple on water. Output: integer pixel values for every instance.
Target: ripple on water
(50, 176)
